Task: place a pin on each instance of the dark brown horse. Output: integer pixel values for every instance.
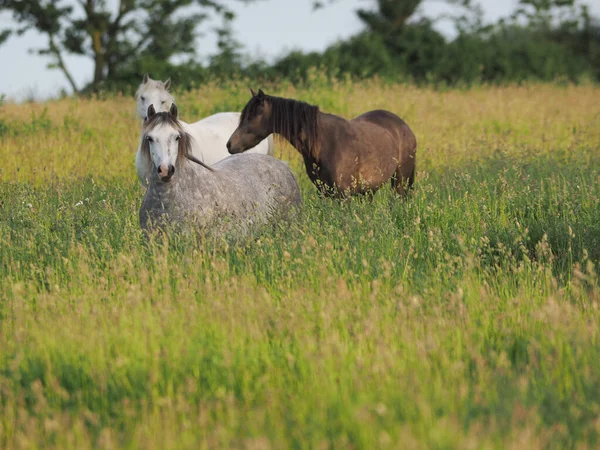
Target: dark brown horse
(341, 156)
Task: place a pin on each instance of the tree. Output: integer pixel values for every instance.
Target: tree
(115, 40)
(414, 45)
(229, 59)
(567, 23)
(544, 13)
(391, 16)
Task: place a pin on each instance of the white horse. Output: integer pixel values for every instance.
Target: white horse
(209, 135)
(236, 195)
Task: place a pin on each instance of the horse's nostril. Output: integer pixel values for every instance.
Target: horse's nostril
(171, 170)
(158, 170)
(228, 145)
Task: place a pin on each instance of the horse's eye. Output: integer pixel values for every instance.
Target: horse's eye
(178, 137)
(149, 138)
(143, 98)
(164, 101)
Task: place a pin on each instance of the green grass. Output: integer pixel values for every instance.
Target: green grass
(466, 317)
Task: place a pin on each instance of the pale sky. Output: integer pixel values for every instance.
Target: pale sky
(267, 28)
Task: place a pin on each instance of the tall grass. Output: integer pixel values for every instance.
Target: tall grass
(466, 317)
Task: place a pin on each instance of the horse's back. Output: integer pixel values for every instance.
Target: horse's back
(254, 166)
(218, 128)
(260, 172)
(385, 119)
(222, 119)
(394, 125)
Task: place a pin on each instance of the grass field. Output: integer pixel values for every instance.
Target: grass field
(467, 317)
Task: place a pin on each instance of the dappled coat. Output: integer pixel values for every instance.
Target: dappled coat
(241, 193)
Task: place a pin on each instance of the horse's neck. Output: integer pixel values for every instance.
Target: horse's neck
(303, 146)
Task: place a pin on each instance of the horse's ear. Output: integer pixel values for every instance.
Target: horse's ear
(151, 111)
(173, 110)
(145, 79)
(167, 84)
(261, 94)
(252, 92)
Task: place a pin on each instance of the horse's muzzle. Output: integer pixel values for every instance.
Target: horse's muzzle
(166, 172)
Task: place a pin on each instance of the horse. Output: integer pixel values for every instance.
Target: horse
(236, 195)
(342, 157)
(210, 134)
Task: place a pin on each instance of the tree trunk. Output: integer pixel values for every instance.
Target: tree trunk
(96, 30)
(99, 61)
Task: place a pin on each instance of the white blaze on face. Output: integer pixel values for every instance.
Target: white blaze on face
(164, 144)
(153, 92)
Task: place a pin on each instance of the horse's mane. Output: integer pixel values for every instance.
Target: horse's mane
(165, 118)
(293, 119)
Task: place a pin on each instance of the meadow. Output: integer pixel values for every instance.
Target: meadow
(465, 317)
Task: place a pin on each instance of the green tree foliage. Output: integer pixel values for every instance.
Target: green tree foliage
(140, 35)
(544, 40)
(229, 59)
(390, 17)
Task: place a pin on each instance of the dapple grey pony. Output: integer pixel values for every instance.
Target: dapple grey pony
(237, 194)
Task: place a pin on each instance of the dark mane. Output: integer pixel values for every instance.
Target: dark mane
(166, 118)
(292, 119)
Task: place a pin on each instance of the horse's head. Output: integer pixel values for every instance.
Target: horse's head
(164, 141)
(153, 92)
(255, 124)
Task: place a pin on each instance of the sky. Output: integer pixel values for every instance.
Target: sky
(266, 28)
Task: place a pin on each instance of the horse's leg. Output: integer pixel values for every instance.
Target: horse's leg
(368, 195)
(401, 182)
